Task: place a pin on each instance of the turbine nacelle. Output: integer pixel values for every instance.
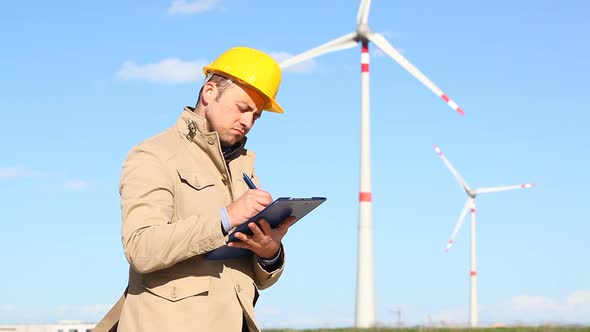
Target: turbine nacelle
(363, 32)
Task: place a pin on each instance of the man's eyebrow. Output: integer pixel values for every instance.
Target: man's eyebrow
(246, 107)
(243, 104)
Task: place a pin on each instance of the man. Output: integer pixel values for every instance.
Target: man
(182, 193)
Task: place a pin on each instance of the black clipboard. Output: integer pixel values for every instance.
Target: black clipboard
(277, 211)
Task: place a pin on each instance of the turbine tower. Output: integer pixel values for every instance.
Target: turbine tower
(470, 205)
(365, 296)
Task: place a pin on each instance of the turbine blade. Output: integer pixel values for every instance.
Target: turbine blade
(362, 16)
(503, 188)
(462, 182)
(458, 224)
(386, 47)
(340, 43)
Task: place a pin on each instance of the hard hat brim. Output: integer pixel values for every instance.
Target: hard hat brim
(274, 107)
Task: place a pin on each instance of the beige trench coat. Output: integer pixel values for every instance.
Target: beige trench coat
(172, 188)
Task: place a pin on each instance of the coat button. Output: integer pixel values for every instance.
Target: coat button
(210, 140)
(224, 180)
(173, 293)
(239, 288)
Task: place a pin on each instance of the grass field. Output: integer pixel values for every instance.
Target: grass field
(428, 329)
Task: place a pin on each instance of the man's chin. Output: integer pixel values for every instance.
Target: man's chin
(230, 142)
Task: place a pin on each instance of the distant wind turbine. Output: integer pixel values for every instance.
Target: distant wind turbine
(365, 296)
(470, 204)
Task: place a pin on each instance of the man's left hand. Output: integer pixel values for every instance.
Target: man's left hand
(264, 241)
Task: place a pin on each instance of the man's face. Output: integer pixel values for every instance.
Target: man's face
(233, 113)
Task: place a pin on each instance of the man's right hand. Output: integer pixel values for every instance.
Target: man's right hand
(247, 206)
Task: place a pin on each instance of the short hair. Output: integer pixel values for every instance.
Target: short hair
(221, 82)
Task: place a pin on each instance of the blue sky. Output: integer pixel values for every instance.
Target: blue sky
(83, 82)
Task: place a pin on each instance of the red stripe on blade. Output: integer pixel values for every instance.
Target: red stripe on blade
(365, 197)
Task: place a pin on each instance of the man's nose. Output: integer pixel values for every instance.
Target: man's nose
(247, 120)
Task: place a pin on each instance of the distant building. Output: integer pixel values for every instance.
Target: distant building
(63, 326)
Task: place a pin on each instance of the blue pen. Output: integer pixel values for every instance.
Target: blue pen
(249, 182)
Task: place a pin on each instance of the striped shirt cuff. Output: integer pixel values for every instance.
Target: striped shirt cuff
(225, 222)
(267, 262)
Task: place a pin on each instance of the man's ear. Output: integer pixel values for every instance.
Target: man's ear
(209, 93)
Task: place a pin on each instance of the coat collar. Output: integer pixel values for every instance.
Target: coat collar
(191, 125)
(193, 128)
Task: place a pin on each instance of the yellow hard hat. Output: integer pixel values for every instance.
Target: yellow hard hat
(252, 67)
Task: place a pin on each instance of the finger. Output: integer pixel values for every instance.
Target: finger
(265, 226)
(263, 197)
(285, 224)
(255, 229)
(257, 208)
(242, 237)
(239, 244)
(288, 222)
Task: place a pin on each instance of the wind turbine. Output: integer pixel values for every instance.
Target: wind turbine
(470, 204)
(365, 296)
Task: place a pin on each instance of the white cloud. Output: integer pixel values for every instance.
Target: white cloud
(575, 308)
(88, 312)
(22, 172)
(17, 172)
(95, 309)
(525, 309)
(169, 71)
(76, 184)
(33, 314)
(303, 67)
(7, 308)
(527, 303)
(174, 71)
(579, 298)
(184, 7)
